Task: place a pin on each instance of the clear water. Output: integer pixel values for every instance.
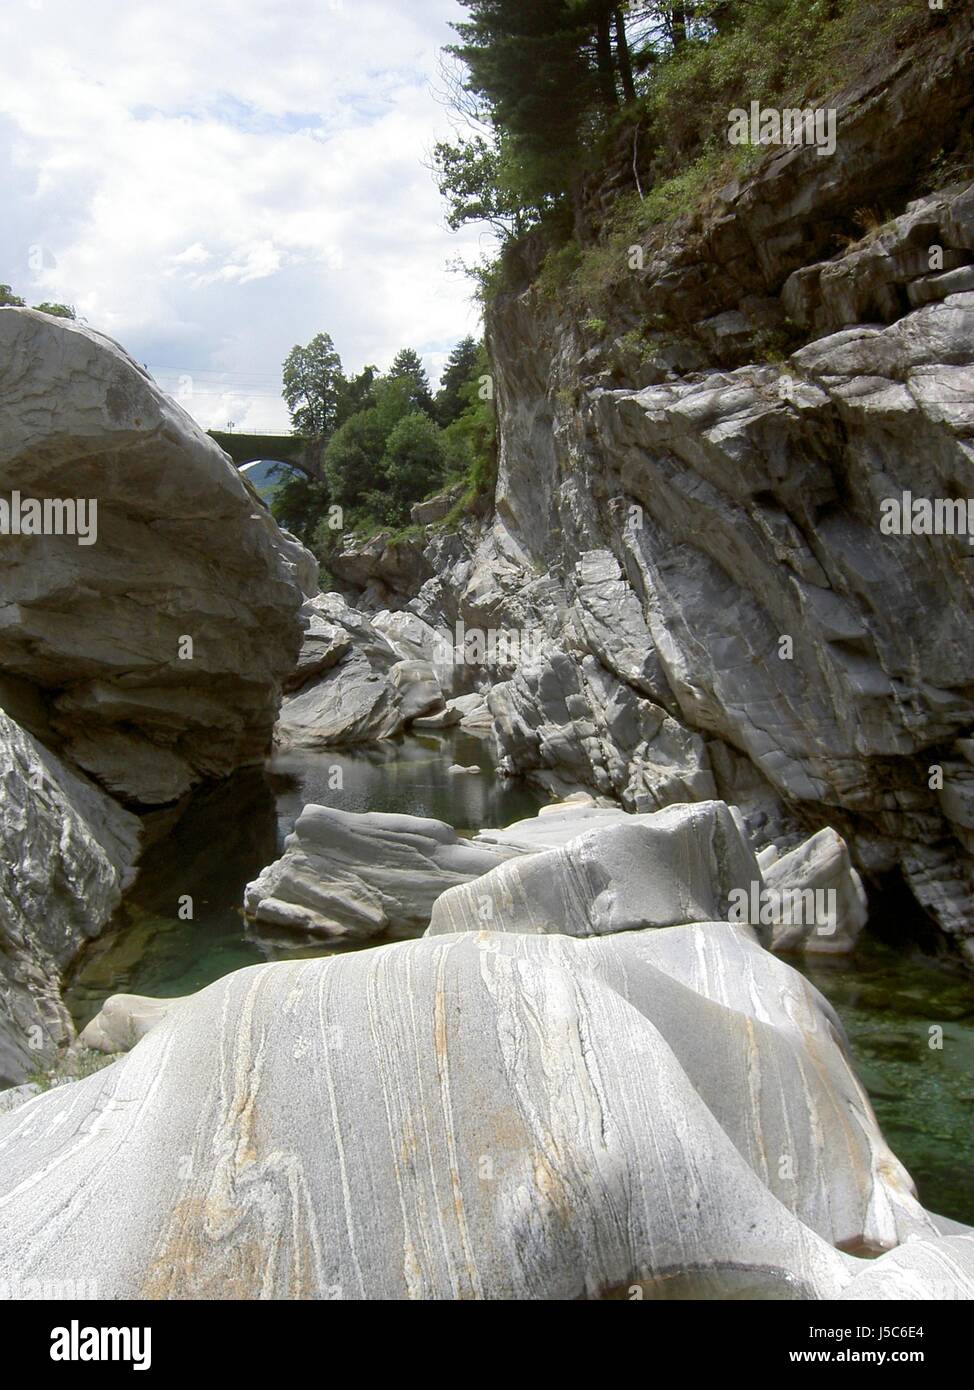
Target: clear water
(888, 999)
(230, 832)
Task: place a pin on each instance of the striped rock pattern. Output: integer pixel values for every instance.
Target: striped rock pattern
(625, 873)
(485, 1116)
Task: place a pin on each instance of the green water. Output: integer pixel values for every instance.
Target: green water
(888, 999)
(231, 832)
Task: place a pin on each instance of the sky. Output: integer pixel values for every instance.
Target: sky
(212, 181)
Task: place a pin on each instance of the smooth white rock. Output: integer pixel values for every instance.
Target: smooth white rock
(482, 1116)
(362, 875)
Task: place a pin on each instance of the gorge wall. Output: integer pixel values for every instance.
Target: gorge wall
(691, 485)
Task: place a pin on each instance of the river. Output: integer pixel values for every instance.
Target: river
(889, 997)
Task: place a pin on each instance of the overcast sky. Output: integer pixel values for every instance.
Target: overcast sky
(213, 181)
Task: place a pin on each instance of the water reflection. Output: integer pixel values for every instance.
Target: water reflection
(407, 777)
(230, 832)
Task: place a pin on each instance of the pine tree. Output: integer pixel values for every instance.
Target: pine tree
(451, 400)
(408, 367)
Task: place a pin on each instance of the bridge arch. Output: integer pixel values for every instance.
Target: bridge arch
(296, 450)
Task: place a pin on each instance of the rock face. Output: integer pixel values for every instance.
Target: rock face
(568, 1101)
(160, 648)
(352, 876)
(384, 1125)
(145, 630)
(355, 684)
(66, 853)
(699, 534)
(380, 570)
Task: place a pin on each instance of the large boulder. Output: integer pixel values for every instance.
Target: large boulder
(418, 689)
(67, 852)
(472, 712)
(356, 876)
(381, 568)
(487, 1116)
(160, 642)
(353, 703)
(628, 873)
(324, 643)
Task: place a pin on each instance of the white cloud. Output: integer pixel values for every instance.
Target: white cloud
(212, 183)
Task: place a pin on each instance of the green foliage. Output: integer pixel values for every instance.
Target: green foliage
(477, 177)
(451, 399)
(531, 65)
(411, 466)
(356, 457)
(558, 268)
(471, 439)
(58, 311)
(391, 452)
(689, 64)
(14, 301)
(584, 278)
(74, 1065)
(408, 368)
(313, 386)
(354, 454)
(355, 394)
(298, 504)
